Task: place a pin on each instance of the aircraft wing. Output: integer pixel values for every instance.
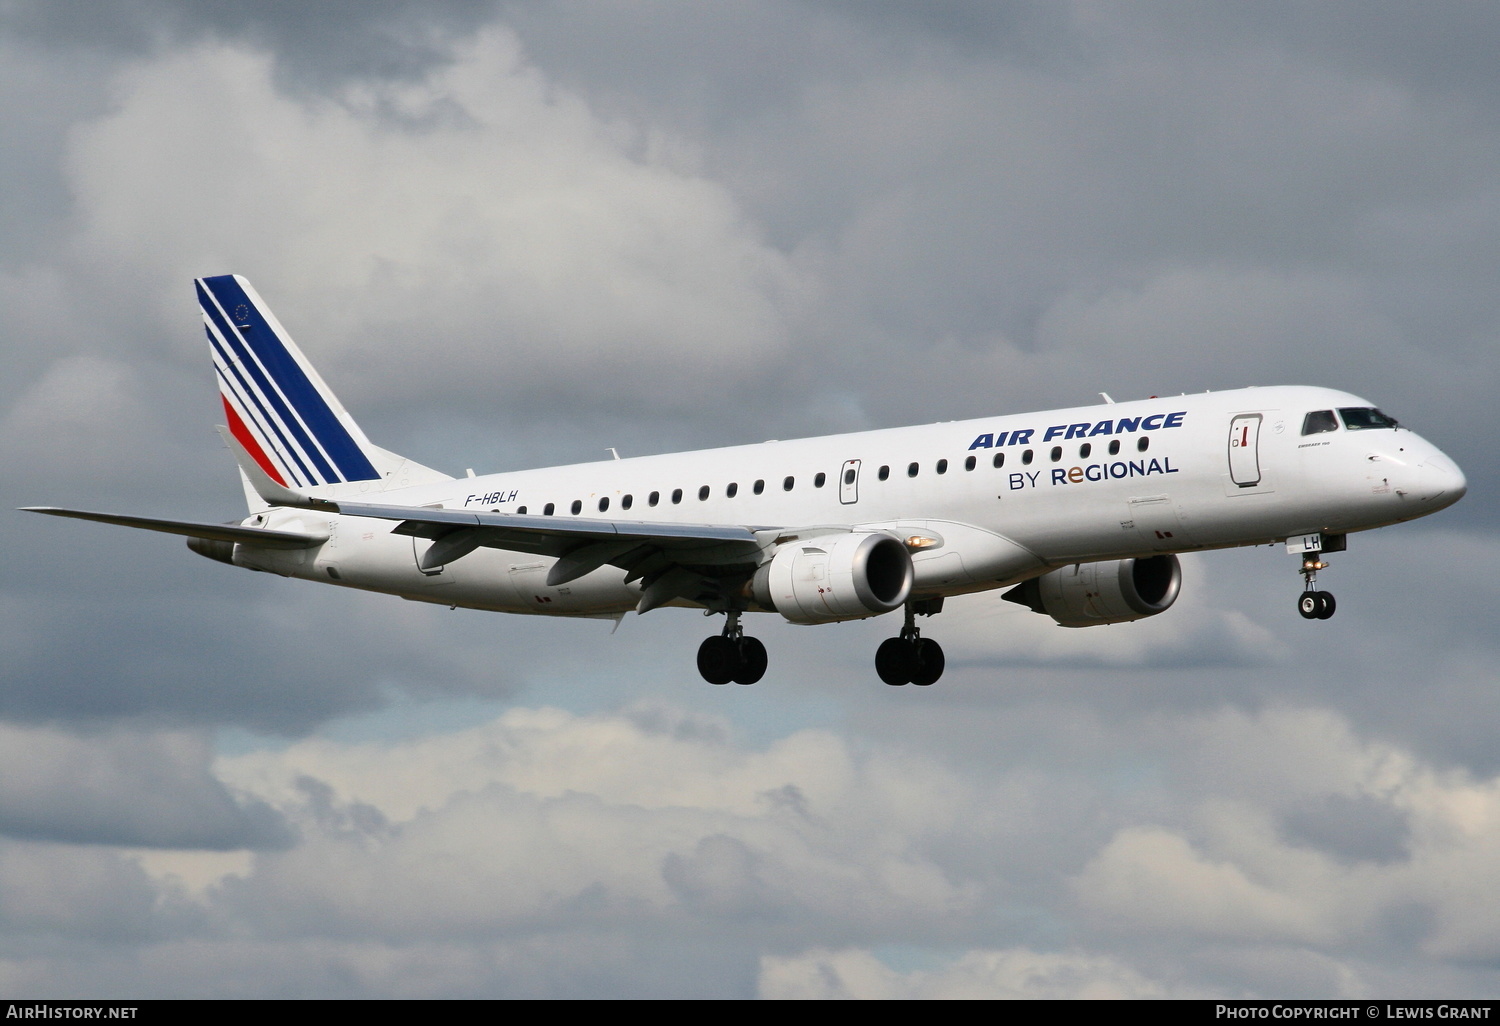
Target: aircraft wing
(194, 529)
(671, 560)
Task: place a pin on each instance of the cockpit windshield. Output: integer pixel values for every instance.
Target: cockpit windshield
(1358, 418)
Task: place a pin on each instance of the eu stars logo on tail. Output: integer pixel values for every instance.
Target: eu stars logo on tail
(786, 528)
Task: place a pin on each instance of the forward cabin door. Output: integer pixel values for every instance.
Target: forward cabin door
(1244, 450)
(849, 483)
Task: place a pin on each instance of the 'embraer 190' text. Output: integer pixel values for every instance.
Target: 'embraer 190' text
(1064, 432)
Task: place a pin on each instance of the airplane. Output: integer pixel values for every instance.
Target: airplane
(1080, 512)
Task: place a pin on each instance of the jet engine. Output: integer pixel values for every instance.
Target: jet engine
(835, 577)
(1115, 591)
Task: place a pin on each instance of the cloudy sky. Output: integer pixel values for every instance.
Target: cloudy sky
(515, 234)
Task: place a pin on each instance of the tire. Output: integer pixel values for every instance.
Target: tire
(718, 660)
(930, 663)
(1309, 605)
(896, 662)
(1326, 605)
(752, 661)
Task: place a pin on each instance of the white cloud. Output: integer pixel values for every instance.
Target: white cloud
(480, 225)
(84, 415)
(1015, 973)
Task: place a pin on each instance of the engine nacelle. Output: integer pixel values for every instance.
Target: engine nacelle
(1115, 591)
(835, 577)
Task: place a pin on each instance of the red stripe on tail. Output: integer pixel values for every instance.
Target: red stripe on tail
(245, 438)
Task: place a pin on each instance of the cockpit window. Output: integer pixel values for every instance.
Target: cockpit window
(1319, 421)
(1358, 418)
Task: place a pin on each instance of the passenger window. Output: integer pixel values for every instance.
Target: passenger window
(1318, 421)
(548, 509)
(577, 506)
(627, 500)
(970, 463)
(885, 472)
(703, 494)
(820, 480)
(849, 476)
(1143, 444)
(760, 486)
(604, 504)
(731, 489)
(653, 498)
(786, 485)
(1114, 447)
(942, 466)
(521, 510)
(676, 496)
(1084, 450)
(1026, 457)
(999, 460)
(1360, 418)
(911, 470)
(1056, 453)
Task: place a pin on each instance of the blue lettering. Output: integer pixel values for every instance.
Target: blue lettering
(1174, 419)
(1118, 470)
(985, 441)
(1127, 424)
(1076, 431)
(1017, 481)
(1146, 424)
(1021, 437)
(1054, 431)
(1137, 468)
(1093, 472)
(1000, 439)
(1167, 462)
(1154, 468)
(1104, 427)
(1033, 474)
(1059, 476)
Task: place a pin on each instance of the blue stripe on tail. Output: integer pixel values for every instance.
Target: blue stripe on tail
(316, 429)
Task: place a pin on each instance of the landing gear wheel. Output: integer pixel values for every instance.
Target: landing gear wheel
(1327, 605)
(718, 659)
(1309, 605)
(896, 662)
(930, 662)
(752, 661)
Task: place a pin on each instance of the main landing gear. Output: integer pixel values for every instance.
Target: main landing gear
(1314, 604)
(731, 656)
(911, 658)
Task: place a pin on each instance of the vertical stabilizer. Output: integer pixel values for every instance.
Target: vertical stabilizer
(279, 409)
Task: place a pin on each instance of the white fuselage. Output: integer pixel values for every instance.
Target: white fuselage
(1216, 470)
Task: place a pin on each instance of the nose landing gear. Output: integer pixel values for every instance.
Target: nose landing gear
(1314, 604)
(911, 658)
(731, 656)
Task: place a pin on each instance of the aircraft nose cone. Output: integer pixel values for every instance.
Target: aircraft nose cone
(1442, 481)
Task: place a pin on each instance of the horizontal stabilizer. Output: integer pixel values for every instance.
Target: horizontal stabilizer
(191, 529)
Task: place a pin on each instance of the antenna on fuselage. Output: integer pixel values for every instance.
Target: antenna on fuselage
(1107, 398)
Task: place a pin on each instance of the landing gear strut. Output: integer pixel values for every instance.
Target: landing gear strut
(731, 656)
(911, 658)
(1314, 604)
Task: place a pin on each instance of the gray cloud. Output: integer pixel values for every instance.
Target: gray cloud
(124, 789)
